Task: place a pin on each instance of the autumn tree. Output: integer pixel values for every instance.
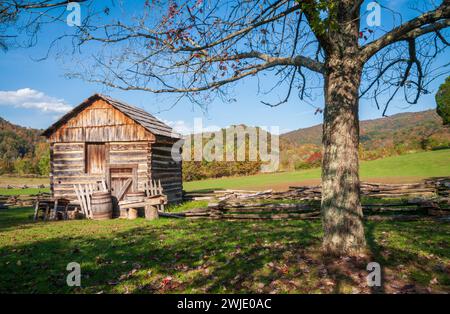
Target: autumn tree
(443, 101)
(200, 49)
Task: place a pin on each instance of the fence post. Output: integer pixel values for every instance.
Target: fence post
(216, 210)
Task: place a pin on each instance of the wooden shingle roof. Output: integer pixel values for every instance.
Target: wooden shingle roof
(140, 116)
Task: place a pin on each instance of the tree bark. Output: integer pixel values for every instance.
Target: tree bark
(341, 207)
(342, 214)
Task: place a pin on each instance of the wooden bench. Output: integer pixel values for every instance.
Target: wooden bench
(150, 204)
(51, 209)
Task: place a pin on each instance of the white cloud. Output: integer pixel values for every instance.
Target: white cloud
(185, 128)
(196, 127)
(32, 99)
(179, 126)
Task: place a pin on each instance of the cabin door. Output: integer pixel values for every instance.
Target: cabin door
(122, 179)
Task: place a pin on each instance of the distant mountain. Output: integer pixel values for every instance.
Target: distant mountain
(397, 134)
(399, 128)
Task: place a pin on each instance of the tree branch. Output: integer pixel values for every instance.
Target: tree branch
(439, 18)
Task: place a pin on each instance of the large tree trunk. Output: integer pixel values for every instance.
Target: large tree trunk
(341, 207)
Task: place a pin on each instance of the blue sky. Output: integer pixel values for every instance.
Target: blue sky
(46, 94)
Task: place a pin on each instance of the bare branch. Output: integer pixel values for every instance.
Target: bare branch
(412, 29)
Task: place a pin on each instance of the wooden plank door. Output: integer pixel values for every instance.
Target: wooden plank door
(96, 155)
(122, 180)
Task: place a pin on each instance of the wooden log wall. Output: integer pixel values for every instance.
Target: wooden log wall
(165, 169)
(68, 165)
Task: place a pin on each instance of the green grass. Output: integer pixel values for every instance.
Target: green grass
(185, 206)
(28, 191)
(398, 168)
(424, 165)
(176, 255)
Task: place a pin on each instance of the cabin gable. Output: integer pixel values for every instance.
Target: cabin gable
(100, 122)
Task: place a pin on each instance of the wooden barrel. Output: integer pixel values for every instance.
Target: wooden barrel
(101, 205)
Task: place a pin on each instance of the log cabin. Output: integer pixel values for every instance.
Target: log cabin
(106, 139)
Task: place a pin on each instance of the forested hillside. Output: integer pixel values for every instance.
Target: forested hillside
(22, 150)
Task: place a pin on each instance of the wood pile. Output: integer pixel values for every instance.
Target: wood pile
(225, 194)
(397, 190)
(252, 211)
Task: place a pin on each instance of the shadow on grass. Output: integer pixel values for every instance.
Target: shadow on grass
(375, 251)
(166, 256)
(201, 256)
(410, 254)
(15, 217)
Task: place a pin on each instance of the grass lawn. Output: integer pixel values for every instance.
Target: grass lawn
(28, 191)
(5, 180)
(170, 255)
(404, 168)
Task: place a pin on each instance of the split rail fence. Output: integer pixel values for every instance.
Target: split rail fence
(409, 202)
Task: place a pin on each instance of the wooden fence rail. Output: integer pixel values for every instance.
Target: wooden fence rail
(251, 210)
(24, 186)
(21, 200)
(435, 187)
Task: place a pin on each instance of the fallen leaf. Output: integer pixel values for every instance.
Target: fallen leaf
(166, 281)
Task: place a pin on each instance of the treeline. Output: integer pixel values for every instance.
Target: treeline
(197, 170)
(216, 165)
